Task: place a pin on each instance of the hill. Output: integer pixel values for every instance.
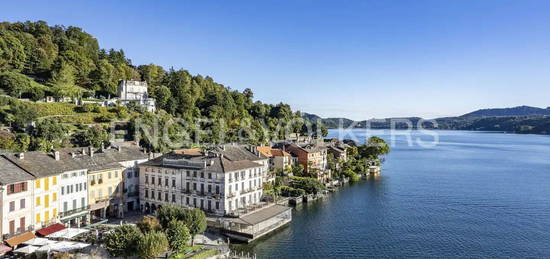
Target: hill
(514, 111)
(521, 119)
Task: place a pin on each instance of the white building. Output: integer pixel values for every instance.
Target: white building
(135, 91)
(16, 200)
(73, 201)
(225, 181)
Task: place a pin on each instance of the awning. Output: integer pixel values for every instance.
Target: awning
(51, 229)
(37, 242)
(68, 233)
(16, 240)
(26, 250)
(4, 249)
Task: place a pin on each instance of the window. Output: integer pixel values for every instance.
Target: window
(116, 174)
(65, 206)
(202, 187)
(174, 182)
(188, 173)
(38, 201)
(37, 183)
(195, 202)
(209, 188)
(146, 193)
(55, 196)
(146, 179)
(209, 205)
(74, 204)
(217, 189)
(152, 194)
(46, 184)
(194, 186)
(110, 175)
(47, 216)
(166, 196)
(129, 175)
(160, 196)
(62, 190)
(217, 205)
(136, 174)
(38, 218)
(187, 200)
(187, 186)
(202, 174)
(152, 180)
(12, 206)
(22, 223)
(166, 182)
(209, 175)
(55, 179)
(54, 212)
(47, 201)
(22, 204)
(173, 198)
(110, 190)
(83, 202)
(194, 173)
(160, 181)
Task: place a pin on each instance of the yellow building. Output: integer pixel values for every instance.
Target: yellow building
(46, 203)
(105, 192)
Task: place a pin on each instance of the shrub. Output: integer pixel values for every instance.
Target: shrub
(122, 241)
(291, 192)
(309, 185)
(178, 235)
(149, 224)
(151, 244)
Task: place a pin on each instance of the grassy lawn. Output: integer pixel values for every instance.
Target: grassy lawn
(187, 250)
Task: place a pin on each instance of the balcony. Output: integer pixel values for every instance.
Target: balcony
(75, 211)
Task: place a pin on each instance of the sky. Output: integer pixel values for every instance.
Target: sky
(355, 59)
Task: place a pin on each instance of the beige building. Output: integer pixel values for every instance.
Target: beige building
(278, 159)
(16, 188)
(105, 192)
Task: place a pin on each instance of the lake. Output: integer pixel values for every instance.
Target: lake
(474, 194)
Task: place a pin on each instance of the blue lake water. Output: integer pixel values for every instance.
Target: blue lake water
(473, 194)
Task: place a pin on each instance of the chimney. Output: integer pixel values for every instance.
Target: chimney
(83, 151)
(21, 156)
(73, 154)
(102, 147)
(91, 151)
(56, 155)
(119, 148)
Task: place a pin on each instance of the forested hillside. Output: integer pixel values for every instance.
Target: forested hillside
(38, 60)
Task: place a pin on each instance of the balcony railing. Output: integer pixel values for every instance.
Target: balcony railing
(71, 212)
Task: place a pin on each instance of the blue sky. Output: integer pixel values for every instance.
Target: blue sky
(355, 59)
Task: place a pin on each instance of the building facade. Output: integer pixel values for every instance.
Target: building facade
(73, 202)
(16, 200)
(105, 192)
(313, 157)
(136, 92)
(221, 182)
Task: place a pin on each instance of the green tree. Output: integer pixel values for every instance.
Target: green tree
(152, 244)
(95, 136)
(122, 241)
(374, 148)
(63, 82)
(168, 213)
(178, 235)
(195, 220)
(149, 224)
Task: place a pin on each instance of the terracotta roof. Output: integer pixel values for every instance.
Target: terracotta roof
(279, 152)
(189, 152)
(265, 150)
(16, 240)
(51, 229)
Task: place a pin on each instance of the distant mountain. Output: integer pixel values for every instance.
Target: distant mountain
(521, 119)
(514, 111)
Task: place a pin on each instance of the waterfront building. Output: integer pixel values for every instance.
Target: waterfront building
(16, 188)
(278, 158)
(131, 91)
(313, 157)
(222, 181)
(73, 201)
